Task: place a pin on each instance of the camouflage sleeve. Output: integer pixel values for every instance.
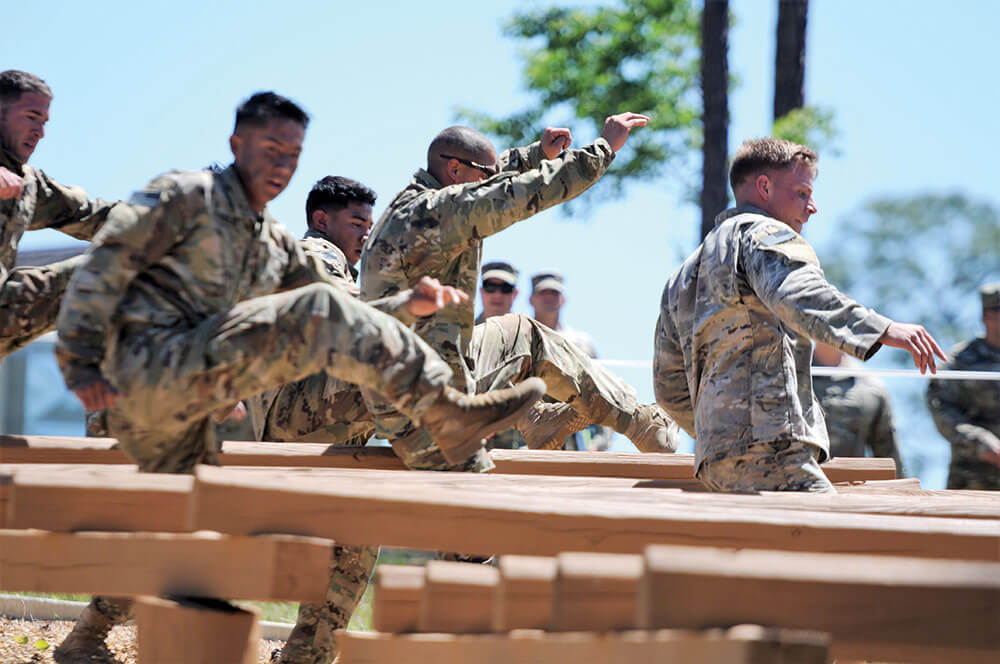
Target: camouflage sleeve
(469, 212)
(338, 271)
(945, 399)
(67, 209)
(136, 235)
(782, 269)
(521, 159)
(669, 377)
(882, 438)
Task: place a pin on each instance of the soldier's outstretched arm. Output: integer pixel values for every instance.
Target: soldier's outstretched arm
(67, 209)
(669, 376)
(137, 234)
(969, 441)
(478, 210)
(554, 140)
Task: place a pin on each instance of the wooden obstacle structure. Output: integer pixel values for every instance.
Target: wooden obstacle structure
(882, 569)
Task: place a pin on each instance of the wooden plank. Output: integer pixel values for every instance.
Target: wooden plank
(745, 644)
(398, 589)
(98, 498)
(901, 609)
(596, 592)
(64, 449)
(524, 595)
(279, 567)
(452, 516)
(457, 598)
(195, 631)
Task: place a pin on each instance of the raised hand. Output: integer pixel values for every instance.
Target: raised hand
(429, 297)
(11, 184)
(555, 140)
(917, 341)
(617, 128)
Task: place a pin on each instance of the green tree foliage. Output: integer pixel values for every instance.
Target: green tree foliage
(920, 260)
(808, 125)
(585, 64)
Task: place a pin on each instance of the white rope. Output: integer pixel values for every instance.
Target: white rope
(942, 374)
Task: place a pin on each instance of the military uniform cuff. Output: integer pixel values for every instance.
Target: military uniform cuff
(603, 148)
(870, 332)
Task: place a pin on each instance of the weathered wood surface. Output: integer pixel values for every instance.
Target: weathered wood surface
(398, 591)
(524, 596)
(596, 592)
(463, 512)
(746, 644)
(195, 632)
(457, 598)
(875, 608)
(279, 567)
(55, 449)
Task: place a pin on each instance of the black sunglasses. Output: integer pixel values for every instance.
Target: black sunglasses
(488, 170)
(493, 287)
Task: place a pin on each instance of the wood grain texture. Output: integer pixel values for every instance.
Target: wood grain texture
(524, 596)
(398, 589)
(195, 632)
(596, 592)
(457, 598)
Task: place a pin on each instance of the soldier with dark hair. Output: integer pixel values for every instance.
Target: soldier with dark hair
(967, 412)
(193, 297)
(732, 345)
(30, 200)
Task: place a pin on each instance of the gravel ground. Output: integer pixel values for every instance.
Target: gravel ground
(121, 641)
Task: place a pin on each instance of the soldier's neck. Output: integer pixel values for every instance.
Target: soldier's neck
(548, 321)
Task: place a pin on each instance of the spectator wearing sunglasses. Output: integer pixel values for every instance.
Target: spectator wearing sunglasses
(497, 289)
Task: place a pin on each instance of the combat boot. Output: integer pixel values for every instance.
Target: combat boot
(546, 426)
(85, 644)
(459, 422)
(652, 430)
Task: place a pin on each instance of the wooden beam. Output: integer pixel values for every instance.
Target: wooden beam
(449, 513)
(746, 644)
(457, 598)
(524, 596)
(596, 592)
(279, 567)
(899, 609)
(64, 449)
(195, 631)
(398, 589)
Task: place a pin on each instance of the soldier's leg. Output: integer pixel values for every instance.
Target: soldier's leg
(316, 409)
(311, 640)
(29, 302)
(509, 348)
(781, 466)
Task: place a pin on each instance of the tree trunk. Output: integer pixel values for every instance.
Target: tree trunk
(790, 56)
(715, 112)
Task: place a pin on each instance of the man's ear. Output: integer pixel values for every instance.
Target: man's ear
(762, 186)
(319, 220)
(236, 145)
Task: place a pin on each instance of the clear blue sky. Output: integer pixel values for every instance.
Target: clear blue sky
(141, 89)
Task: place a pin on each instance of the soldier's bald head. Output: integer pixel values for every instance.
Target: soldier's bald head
(463, 143)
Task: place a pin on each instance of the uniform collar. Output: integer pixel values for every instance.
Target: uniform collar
(10, 161)
(426, 180)
(738, 210)
(237, 195)
(329, 246)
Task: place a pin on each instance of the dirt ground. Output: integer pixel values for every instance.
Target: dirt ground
(121, 641)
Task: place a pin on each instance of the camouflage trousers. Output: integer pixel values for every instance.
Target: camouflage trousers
(316, 409)
(29, 302)
(311, 640)
(506, 350)
(974, 474)
(780, 466)
(171, 382)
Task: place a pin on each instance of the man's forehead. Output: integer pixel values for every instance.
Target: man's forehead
(281, 130)
(32, 101)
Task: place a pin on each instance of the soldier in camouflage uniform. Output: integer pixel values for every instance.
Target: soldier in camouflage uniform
(30, 200)
(435, 227)
(732, 346)
(967, 412)
(857, 410)
(193, 298)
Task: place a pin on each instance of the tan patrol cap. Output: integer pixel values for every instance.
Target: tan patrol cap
(501, 271)
(991, 295)
(547, 280)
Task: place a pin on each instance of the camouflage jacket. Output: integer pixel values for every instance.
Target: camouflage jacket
(44, 203)
(858, 417)
(320, 408)
(186, 247)
(967, 413)
(436, 231)
(732, 346)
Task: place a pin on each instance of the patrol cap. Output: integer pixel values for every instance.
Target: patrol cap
(547, 280)
(991, 295)
(501, 271)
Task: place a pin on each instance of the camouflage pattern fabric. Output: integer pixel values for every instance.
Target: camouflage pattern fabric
(311, 640)
(967, 413)
(858, 417)
(29, 301)
(732, 346)
(778, 466)
(437, 231)
(593, 438)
